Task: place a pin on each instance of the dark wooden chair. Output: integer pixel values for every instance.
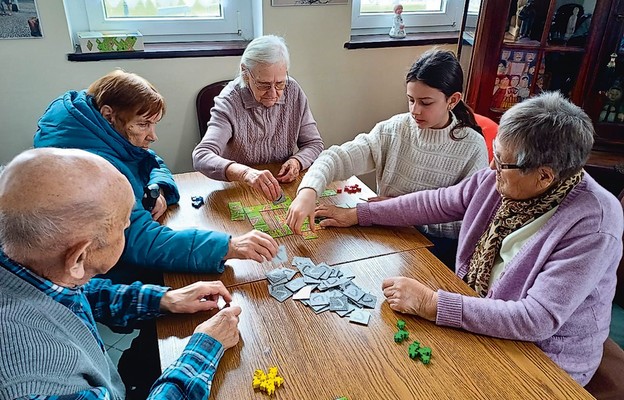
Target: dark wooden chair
(608, 382)
(205, 102)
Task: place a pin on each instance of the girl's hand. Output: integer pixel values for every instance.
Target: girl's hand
(300, 209)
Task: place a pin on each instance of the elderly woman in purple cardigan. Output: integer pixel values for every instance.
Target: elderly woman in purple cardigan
(260, 117)
(540, 240)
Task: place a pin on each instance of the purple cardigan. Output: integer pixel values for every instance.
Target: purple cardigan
(244, 131)
(556, 292)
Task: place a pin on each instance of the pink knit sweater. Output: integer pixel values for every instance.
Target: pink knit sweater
(244, 131)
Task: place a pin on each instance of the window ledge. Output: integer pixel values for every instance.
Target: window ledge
(412, 39)
(168, 50)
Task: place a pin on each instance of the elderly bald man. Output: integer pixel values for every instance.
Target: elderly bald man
(62, 220)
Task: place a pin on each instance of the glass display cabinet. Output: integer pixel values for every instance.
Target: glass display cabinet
(514, 49)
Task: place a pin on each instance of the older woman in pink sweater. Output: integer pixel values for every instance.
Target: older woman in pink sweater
(260, 117)
(540, 241)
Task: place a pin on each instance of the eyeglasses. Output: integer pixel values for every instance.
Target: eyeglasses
(266, 86)
(500, 166)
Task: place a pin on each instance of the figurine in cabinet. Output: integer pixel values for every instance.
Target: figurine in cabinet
(571, 23)
(611, 109)
(515, 22)
(527, 17)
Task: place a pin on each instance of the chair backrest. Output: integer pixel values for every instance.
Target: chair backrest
(490, 129)
(205, 102)
(619, 290)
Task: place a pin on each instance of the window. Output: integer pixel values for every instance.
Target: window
(165, 20)
(375, 16)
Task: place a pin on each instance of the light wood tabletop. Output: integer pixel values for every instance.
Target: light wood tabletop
(336, 245)
(324, 356)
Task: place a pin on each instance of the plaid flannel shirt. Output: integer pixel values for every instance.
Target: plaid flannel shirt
(99, 300)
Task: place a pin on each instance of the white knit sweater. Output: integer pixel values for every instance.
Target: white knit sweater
(405, 159)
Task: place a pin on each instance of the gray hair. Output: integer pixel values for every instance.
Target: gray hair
(268, 49)
(548, 130)
(26, 233)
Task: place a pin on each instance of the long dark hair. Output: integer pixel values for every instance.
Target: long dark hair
(440, 70)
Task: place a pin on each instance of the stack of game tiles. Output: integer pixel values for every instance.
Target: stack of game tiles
(322, 288)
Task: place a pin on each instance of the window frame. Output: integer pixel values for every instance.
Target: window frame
(441, 21)
(235, 24)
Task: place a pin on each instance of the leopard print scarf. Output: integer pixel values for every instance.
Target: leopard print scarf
(511, 216)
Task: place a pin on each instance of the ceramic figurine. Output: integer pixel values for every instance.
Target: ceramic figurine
(398, 29)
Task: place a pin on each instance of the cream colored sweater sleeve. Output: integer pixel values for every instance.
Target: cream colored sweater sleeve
(356, 157)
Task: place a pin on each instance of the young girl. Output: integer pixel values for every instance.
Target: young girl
(437, 144)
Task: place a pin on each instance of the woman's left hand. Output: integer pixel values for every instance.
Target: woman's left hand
(336, 216)
(409, 296)
(160, 207)
(289, 171)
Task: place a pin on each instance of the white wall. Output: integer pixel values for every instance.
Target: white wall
(349, 90)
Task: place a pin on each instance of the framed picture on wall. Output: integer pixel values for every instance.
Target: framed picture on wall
(19, 19)
(278, 3)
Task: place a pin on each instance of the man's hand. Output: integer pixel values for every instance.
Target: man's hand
(160, 207)
(254, 245)
(199, 296)
(289, 171)
(300, 209)
(409, 296)
(223, 326)
(337, 216)
(263, 181)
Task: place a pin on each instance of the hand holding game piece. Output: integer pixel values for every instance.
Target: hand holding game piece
(289, 171)
(253, 245)
(336, 216)
(198, 296)
(223, 326)
(409, 296)
(300, 209)
(263, 181)
(280, 199)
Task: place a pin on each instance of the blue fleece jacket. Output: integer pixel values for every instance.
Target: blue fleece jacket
(72, 121)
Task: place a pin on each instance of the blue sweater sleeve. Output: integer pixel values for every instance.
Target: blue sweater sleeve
(164, 178)
(152, 245)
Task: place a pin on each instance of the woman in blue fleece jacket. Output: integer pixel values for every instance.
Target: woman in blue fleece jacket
(115, 118)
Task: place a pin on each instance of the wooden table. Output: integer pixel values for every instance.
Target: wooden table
(335, 245)
(324, 356)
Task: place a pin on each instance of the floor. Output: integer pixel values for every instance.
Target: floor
(116, 343)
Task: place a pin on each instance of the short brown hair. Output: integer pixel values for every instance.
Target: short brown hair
(127, 94)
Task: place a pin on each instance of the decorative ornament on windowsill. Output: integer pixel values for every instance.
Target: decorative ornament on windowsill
(398, 29)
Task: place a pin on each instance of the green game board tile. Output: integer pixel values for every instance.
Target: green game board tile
(262, 225)
(328, 192)
(277, 233)
(254, 209)
(309, 235)
(236, 211)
